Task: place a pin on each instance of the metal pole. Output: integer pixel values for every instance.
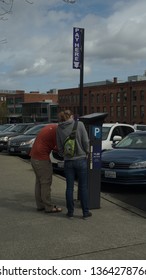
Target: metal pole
(81, 80)
(81, 71)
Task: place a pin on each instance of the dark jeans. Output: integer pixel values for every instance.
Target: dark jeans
(72, 168)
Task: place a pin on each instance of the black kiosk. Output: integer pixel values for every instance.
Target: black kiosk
(93, 124)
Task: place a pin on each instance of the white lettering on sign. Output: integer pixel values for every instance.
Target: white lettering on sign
(96, 131)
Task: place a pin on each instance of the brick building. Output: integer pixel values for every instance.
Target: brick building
(124, 102)
(16, 99)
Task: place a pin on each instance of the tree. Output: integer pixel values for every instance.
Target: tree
(6, 7)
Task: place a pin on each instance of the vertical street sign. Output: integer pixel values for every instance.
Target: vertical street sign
(78, 59)
(76, 47)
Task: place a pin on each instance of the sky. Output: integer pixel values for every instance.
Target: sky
(36, 42)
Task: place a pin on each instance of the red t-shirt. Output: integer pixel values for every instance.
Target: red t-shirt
(44, 143)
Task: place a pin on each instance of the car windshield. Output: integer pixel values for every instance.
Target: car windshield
(17, 128)
(105, 132)
(133, 141)
(140, 127)
(34, 130)
(4, 127)
(8, 126)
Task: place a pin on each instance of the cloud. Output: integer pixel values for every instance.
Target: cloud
(38, 52)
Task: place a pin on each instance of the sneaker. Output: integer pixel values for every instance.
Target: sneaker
(69, 215)
(85, 216)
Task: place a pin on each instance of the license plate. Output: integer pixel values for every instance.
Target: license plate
(60, 164)
(12, 149)
(110, 174)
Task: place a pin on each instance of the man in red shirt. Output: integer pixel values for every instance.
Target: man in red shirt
(44, 143)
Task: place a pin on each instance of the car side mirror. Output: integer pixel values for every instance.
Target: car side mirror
(117, 138)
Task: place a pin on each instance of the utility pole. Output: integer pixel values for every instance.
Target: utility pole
(78, 57)
(81, 70)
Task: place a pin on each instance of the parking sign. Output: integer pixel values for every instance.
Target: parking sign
(76, 47)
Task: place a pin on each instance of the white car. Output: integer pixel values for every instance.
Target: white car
(111, 133)
(114, 132)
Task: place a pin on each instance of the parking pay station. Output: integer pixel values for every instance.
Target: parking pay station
(93, 124)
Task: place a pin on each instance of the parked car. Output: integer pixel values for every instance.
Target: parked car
(22, 144)
(114, 132)
(126, 163)
(4, 127)
(140, 127)
(111, 133)
(13, 131)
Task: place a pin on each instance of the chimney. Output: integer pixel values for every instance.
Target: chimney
(115, 80)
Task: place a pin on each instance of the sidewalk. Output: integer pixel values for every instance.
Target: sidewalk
(115, 231)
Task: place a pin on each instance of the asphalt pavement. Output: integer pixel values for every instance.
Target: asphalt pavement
(116, 231)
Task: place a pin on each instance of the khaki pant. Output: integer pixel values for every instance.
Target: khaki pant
(43, 171)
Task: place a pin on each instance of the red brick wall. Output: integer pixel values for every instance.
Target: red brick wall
(34, 97)
(69, 99)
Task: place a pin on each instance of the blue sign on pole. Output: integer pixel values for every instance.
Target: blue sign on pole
(76, 47)
(96, 132)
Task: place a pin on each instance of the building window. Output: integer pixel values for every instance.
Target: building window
(18, 110)
(18, 100)
(104, 109)
(104, 98)
(118, 96)
(142, 95)
(111, 111)
(10, 101)
(118, 111)
(92, 98)
(125, 111)
(85, 110)
(44, 111)
(134, 97)
(72, 99)
(92, 110)
(142, 111)
(111, 97)
(134, 111)
(66, 99)
(53, 112)
(11, 110)
(85, 98)
(97, 98)
(125, 96)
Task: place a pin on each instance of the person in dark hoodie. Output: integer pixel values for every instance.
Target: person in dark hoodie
(76, 165)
